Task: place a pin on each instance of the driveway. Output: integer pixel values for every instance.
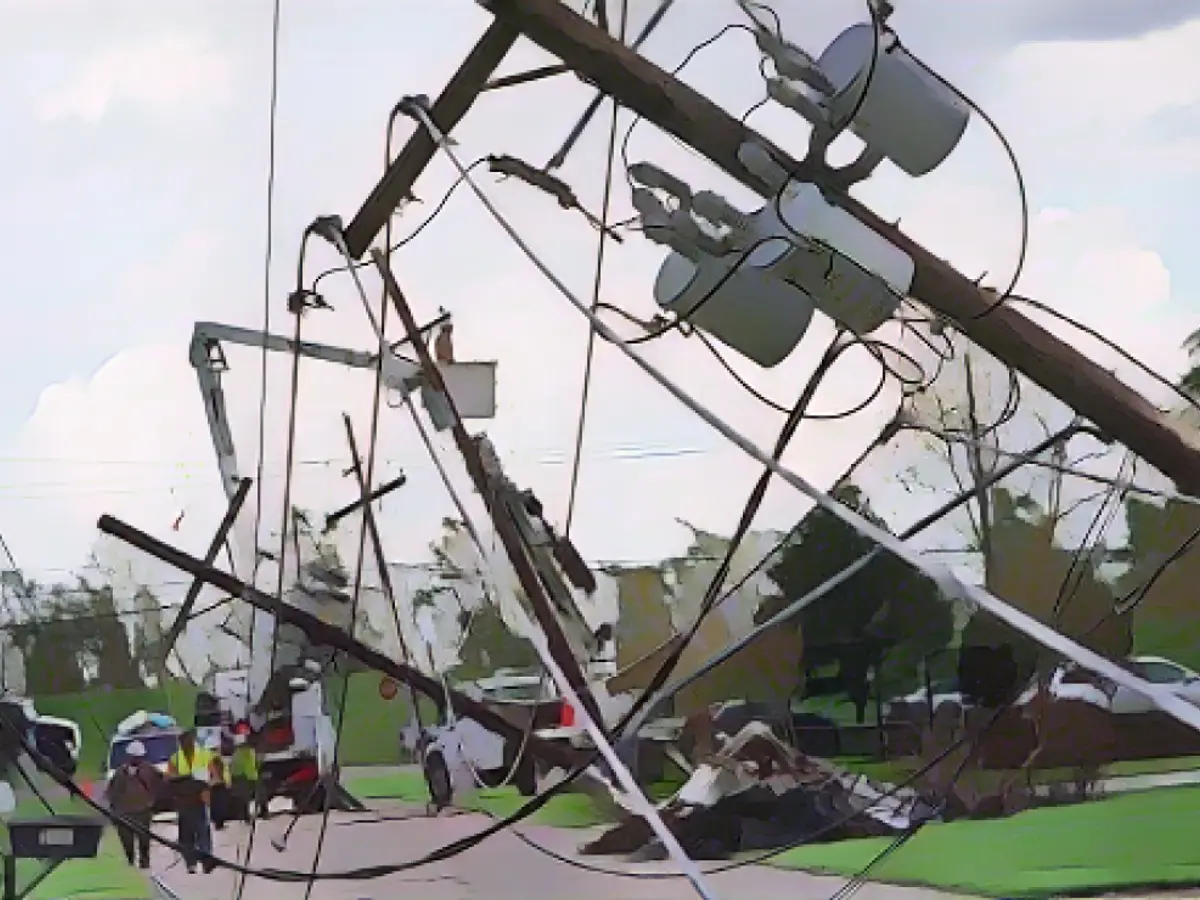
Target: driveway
(502, 868)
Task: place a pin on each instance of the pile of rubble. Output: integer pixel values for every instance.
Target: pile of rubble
(757, 793)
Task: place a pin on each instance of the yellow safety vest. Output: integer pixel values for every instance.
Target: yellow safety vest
(201, 760)
(244, 764)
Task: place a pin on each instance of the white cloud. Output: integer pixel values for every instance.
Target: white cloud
(170, 72)
(1099, 103)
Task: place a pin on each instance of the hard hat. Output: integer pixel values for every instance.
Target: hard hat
(135, 750)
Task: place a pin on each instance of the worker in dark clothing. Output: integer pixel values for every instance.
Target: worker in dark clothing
(221, 799)
(132, 793)
(192, 773)
(243, 768)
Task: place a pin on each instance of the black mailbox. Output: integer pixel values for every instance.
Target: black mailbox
(55, 838)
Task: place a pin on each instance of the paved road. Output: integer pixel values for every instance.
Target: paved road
(502, 868)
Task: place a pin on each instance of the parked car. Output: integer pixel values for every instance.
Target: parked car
(915, 707)
(1072, 682)
(59, 740)
(1181, 681)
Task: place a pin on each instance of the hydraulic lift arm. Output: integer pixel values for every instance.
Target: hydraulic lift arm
(209, 360)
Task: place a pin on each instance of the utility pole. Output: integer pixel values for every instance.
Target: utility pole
(635, 82)
(455, 101)
(491, 488)
(322, 633)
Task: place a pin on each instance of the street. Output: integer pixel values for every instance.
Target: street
(502, 868)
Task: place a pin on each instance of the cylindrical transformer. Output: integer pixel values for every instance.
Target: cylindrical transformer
(907, 114)
(758, 315)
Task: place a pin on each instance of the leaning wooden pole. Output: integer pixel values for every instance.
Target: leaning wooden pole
(504, 526)
(322, 633)
(448, 110)
(1003, 331)
(236, 502)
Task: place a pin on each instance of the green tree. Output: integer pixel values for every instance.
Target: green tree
(1058, 586)
(488, 645)
(75, 639)
(888, 608)
(1158, 588)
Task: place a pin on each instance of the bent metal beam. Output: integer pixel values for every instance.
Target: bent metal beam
(635, 82)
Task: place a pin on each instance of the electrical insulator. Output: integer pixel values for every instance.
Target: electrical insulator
(653, 177)
(719, 211)
(759, 162)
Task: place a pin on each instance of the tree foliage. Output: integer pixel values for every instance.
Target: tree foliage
(488, 645)
(887, 607)
(1058, 586)
(1159, 587)
(77, 638)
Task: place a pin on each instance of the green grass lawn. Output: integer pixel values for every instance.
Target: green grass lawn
(563, 811)
(107, 877)
(1138, 840)
(896, 771)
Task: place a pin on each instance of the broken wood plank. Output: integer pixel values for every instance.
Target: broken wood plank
(1003, 331)
(457, 98)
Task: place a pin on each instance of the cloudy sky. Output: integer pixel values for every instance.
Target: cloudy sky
(134, 166)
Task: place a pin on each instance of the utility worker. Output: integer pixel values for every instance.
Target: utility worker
(192, 773)
(221, 804)
(132, 792)
(243, 768)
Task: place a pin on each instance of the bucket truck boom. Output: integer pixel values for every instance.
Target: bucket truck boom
(473, 387)
(209, 360)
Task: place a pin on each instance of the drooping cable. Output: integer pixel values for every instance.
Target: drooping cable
(365, 511)
(1106, 511)
(597, 284)
(408, 238)
(537, 802)
(1018, 174)
(950, 583)
(268, 259)
(1111, 345)
(650, 697)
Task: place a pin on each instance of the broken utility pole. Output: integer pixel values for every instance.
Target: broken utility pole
(448, 110)
(219, 538)
(635, 82)
(505, 527)
(322, 633)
